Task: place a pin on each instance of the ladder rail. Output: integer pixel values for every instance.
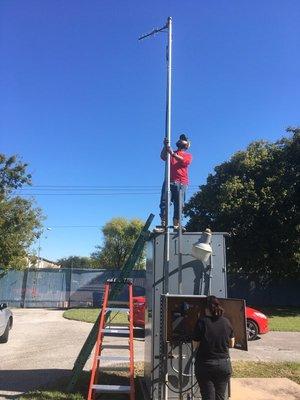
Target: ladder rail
(98, 349)
(93, 386)
(91, 338)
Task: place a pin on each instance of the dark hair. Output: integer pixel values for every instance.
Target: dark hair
(183, 142)
(214, 306)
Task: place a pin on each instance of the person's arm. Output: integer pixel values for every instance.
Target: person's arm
(165, 150)
(186, 160)
(198, 334)
(231, 336)
(163, 154)
(176, 156)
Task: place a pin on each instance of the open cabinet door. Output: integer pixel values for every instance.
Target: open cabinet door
(235, 311)
(183, 311)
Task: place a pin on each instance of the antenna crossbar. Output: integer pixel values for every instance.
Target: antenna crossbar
(153, 32)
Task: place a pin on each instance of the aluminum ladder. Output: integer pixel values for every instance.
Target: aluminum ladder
(94, 387)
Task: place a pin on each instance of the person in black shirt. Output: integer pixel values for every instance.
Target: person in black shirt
(212, 338)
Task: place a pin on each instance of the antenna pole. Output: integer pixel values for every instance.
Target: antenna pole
(167, 166)
(163, 394)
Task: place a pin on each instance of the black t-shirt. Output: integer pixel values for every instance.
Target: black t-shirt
(213, 335)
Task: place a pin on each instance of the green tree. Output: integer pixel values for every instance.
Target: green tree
(255, 197)
(76, 262)
(20, 221)
(119, 235)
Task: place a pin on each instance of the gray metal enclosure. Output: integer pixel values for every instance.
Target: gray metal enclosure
(197, 279)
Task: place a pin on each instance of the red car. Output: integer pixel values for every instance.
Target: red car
(257, 322)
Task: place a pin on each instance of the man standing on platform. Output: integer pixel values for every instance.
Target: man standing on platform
(179, 163)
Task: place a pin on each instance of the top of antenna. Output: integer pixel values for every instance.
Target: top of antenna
(157, 30)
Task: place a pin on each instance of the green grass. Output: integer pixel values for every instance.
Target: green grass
(107, 377)
(91, 314)
(283, 319)
(252, 369)
(45, 395)
(241, 369)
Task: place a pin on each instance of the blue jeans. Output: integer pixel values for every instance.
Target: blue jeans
(174, 189)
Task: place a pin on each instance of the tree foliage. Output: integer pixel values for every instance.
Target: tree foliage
(20, 221)
(76, 262)
(255, 197)
(119, 235)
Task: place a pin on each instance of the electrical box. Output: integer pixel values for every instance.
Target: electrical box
(198, 279)
(182, 313)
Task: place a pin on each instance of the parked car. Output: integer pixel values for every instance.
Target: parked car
(139, 305)
(257, 322)
(6, 322)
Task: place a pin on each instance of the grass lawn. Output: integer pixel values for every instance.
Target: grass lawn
(241, 369)
(252, 369)
(46, 395)
(108, 377)
(283, 319)
(91, 314)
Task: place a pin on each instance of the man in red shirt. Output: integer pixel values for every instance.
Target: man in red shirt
(179, 163)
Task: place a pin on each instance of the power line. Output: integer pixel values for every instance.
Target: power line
(92, 190)
(85, 194)
(86, 187)
(74, 226)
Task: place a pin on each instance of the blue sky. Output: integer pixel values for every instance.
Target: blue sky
(83, 102)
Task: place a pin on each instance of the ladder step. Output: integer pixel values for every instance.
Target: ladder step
(121, 327)
(111, 388)
(116, 309)
(115, 367)
(118, 303)
(111, 358)
(115, 346)
(118, 331)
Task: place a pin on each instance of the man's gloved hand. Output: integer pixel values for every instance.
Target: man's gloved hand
(167, 146)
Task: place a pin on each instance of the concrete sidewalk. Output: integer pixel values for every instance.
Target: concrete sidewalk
(43, 347)
(264, 389)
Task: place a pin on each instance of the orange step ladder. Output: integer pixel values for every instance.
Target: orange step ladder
(94, 387)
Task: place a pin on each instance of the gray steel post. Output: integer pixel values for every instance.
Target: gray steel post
(180, 241)
(166, 264)
(167, 185)
(167, 165)
(180, 285)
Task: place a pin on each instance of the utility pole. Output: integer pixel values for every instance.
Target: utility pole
(167, 28)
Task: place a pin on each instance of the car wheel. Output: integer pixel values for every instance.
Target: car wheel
(252, 329)
(4, 337)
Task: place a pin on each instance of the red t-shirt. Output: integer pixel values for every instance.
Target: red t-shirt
(179, 169)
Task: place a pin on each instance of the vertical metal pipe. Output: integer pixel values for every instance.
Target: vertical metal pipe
(180, 286)
(167, 188)
(180, 241)
(210, 274)
(167, 165)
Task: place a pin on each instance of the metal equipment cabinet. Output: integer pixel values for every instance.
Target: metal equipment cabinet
(197, 279)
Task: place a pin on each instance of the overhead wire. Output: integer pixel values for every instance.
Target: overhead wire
(90, 190)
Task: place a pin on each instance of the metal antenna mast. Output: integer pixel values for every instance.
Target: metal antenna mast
(168, 28)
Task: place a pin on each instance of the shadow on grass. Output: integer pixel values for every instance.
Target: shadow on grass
(50, 384)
